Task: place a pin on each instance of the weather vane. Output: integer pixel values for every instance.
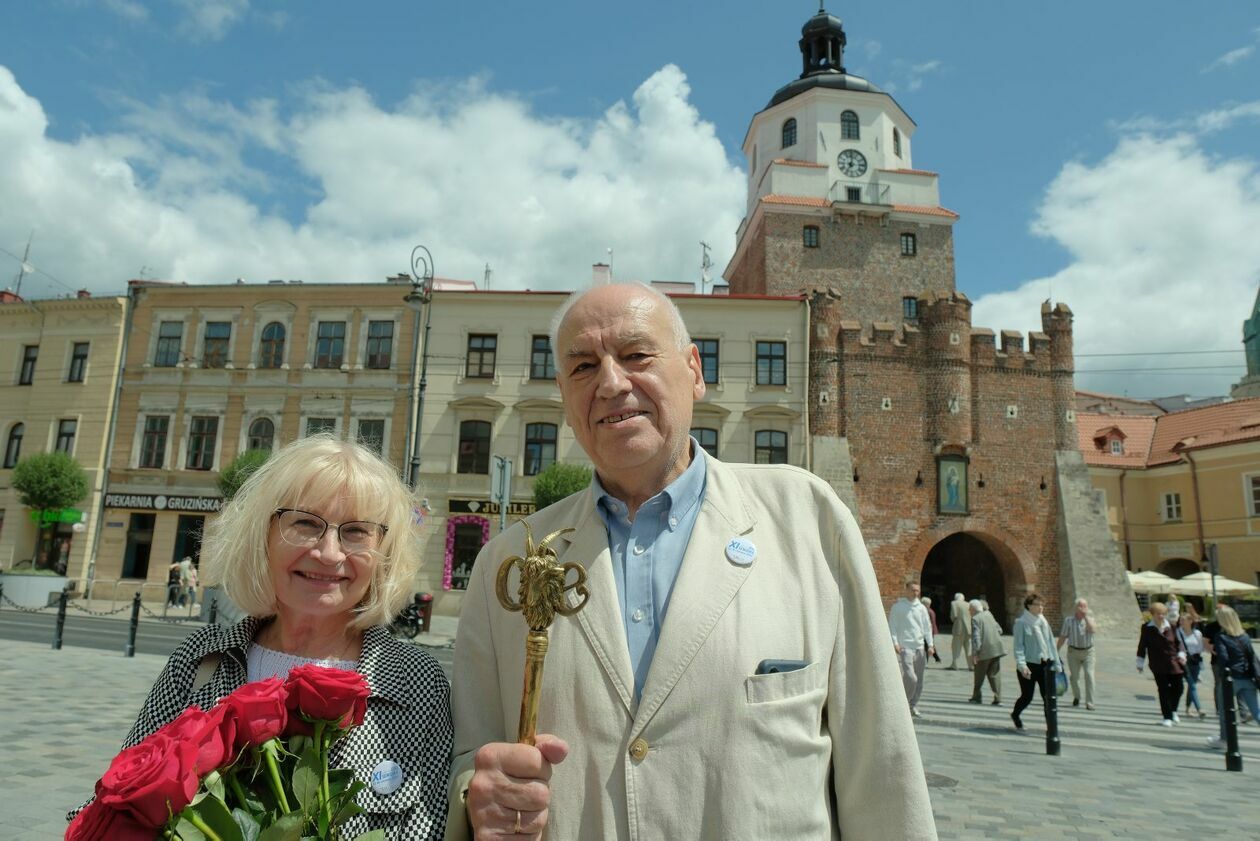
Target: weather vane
(540, 595)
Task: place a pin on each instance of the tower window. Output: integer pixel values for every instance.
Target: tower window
(849, 129)
(909, 245)
(789, 132)
(910, 308)
(896, 143)
(810, 236)
(853, 194)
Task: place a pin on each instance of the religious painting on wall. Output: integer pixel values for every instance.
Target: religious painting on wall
(951, 485)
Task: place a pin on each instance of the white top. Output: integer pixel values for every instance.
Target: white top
(910, 624)
(262, 663)
(1193, 641)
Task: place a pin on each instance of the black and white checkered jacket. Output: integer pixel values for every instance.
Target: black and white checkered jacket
(408, 720)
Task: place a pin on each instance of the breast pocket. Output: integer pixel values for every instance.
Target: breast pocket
(396, 812)
(783, 686)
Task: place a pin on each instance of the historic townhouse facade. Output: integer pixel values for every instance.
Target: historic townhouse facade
(61, 359)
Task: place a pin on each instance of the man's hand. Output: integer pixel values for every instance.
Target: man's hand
(509, 793)
(897, 647)
(931, 650)
(1025, 671)
(974, 659)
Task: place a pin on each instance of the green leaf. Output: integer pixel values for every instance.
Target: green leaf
(306, 780)
(216, 815)
(214, 784)
(372, 835)
(340, 780)
(188, 832)
(287, 828)
(248, 825)
(321, 822)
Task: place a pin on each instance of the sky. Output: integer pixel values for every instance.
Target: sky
(1102, 154)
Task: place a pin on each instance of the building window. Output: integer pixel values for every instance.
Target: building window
(466, 543)
(853, 194)
(707, 438)
(271, 346)
(789, 132)
(78, 362)
(380, 344)
(540, 447)
(809, 236)
(771, 363)
(201, 439)
(849, 126)
(13, 447)
(910, 308)
(481, 352)
(153, 443)
(29, 354)
(909, 245)
(170, 336)
(1117, 447)
(330, 344)
(896, 143)
(262, 435)
(214, 353)
(474, 447)
(66, 430)
(1253, 495)
(771, 447)
(372, 435)
(542, 365)
(319, 426)
(1172, 507)
(708, 358)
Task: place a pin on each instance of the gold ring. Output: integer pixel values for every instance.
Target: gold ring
(516, 830)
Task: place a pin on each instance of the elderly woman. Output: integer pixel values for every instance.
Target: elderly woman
(1168, 660)
(1036, 656)
(319, 549)
(1235, 653)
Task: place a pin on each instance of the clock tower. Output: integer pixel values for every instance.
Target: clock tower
(834, 199)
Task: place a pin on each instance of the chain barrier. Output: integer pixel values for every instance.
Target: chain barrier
(90, 612)
(23, 608)
(174, 620)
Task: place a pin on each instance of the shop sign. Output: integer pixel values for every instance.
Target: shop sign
(485, 506)
(58, 515)
(161, 502)
(1176, 550)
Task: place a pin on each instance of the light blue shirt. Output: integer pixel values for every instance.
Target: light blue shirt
(647, 554)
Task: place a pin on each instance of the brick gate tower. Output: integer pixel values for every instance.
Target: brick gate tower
(955, 446)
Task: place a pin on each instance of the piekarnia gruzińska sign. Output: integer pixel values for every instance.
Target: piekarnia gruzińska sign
(161, 502)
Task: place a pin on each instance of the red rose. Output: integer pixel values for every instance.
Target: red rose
(97, 821)
(214, 734)
(324, 694)
(259, 711)
(153, 780)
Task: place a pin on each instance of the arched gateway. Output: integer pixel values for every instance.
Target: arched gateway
(978, 565)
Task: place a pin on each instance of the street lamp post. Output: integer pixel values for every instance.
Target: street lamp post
(420, 296)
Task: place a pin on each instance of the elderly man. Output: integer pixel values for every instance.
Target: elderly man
(987, 651)
(1078, 632)
(911, 629)
(727, 678)
(960, 619)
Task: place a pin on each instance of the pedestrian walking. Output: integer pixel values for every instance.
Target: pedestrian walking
(927, 602)
(987, 651)
(1174, 610)
(960, 614)
(1168, 659)
(1235, 653)
(911, 629)
(172, 585)
(185, 579)
(1036, 657)
(1192, 640)
(1078, 632)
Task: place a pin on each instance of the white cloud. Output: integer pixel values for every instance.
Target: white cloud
(475, 175)
(911, 76)
(211, 19)
(1164, 258)
(1233, 57)
(129, 9)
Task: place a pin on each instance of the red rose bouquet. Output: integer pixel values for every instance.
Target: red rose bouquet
(253, 768)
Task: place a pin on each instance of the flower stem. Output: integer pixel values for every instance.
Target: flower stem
(197, 821)
(273, 775)
(323, 741)
(234, 785)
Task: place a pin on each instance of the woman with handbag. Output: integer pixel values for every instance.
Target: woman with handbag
(1192, 640)
(1036, 656)
(1168, 659)
(1236, 655)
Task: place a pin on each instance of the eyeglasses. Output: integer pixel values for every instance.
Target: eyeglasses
(302, 528)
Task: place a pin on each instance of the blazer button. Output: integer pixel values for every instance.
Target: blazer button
(639, 749)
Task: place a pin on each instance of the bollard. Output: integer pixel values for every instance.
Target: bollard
(61, 620)
(214, 609)
(1233, 756)
(130, 650)
(1, 593)
(1052, 711)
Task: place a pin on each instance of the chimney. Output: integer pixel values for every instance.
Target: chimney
(83, 293)
(601, 274)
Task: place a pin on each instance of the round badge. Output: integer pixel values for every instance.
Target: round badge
(386, 777)
(740, 551)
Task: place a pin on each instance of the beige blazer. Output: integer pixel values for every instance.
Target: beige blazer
(713, 750)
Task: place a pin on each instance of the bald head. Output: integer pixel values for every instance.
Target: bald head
(631, 294)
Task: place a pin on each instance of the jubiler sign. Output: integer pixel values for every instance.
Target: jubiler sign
(160, 502)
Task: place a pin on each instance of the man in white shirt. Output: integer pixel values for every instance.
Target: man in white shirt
(912, 640)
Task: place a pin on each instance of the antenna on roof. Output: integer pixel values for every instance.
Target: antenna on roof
(488, 273)
(705, 265)
(610, 263)
(25, 267)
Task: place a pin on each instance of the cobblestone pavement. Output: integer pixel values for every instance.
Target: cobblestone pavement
(63, 714)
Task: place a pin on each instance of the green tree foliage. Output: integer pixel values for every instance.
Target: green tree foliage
(558, 481)
(48, 482)
(242, 467)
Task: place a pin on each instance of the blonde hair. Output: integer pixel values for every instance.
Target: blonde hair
(1228, 619)
(312, 473)
(1158, 607)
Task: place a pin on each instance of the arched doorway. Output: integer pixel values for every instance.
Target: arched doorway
(963, 564)
(1177, 567)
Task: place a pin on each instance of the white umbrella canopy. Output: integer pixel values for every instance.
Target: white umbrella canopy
(1200, 584)
(1151, 582)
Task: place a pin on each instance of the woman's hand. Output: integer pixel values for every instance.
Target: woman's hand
(1025, 671)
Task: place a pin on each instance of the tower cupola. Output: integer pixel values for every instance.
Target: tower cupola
(822, 44)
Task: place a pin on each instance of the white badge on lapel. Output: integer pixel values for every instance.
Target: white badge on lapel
(740, 551)
(387, 777)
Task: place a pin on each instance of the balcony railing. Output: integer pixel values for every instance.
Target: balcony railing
(859, 192)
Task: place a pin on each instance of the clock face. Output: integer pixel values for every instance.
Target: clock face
(852, 163)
